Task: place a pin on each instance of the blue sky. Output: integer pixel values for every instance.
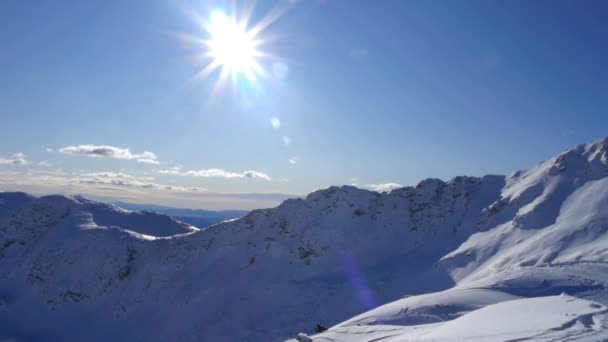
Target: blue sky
(365, 92)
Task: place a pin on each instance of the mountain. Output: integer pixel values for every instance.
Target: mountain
(496, 257)
(196, 217)
(535, 267)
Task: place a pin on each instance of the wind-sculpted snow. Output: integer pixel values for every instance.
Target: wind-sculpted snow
(555, 318)
(83, 270)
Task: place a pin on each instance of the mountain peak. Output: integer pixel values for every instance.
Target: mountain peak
(340, 191)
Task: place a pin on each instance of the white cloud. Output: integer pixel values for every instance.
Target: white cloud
(294, 160)
(275, 122)
(15, 159)
(48, 149)
(384, 187)
(44, 163)
(216, 173)
(110, 152)
(254, 174)
(286, 140)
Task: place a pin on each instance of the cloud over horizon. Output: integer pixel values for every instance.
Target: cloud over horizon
(16, 159)
(98, 151)
(75, 180)
(114, 185)
(127, 180)
(216, 173)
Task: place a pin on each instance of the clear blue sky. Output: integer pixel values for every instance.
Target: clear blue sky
(368, 92)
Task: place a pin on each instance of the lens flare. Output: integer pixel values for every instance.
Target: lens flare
(357, 280)
(232, 48)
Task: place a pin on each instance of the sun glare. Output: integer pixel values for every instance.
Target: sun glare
(231, 46)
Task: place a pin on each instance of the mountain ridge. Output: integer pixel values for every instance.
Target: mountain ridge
(320, 259)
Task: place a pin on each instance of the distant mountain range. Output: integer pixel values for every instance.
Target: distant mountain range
(493, 258)
(197, 217)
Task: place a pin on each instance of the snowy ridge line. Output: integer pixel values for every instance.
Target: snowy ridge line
(340, 252)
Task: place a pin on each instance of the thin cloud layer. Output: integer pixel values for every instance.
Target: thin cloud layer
(113, 186)
(114, 178)
(15, 159)
(109, 179)
(108, 151)
(216, 173)
(126, 180)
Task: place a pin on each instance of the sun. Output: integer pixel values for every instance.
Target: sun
(232, 47)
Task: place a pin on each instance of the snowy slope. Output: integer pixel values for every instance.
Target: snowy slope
(544, 235)
(553, 318)
(465, 250)
(148, 223)
(13, 201)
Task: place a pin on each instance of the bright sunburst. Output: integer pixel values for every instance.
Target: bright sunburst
(232, 47)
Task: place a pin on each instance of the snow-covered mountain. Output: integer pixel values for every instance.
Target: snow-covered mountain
(196, 217)
(496, 258)
(534, 268)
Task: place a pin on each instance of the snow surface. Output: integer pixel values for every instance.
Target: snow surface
(473, 258)
(530, 319)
